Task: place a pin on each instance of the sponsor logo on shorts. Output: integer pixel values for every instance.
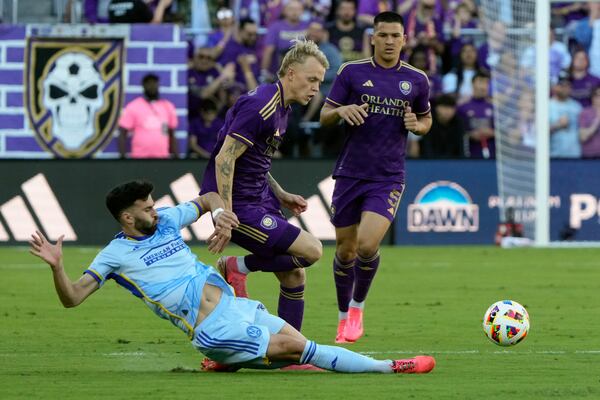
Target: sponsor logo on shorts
(253, 331)
(268, 222)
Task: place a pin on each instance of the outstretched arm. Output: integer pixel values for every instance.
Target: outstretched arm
(71, 294)
(224, 221)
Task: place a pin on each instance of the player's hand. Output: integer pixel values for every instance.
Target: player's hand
(226, 220)
(42, 248)
(293, 202)
(218, 240)
(353, 114)
(410, 119)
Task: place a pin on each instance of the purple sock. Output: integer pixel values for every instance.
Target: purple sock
(274, 264)
(291, 305)
(365, 270)
(343, 275)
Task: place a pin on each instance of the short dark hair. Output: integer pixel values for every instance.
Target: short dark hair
(246, 21)
(445, 100)
(208, 104)
(124, 195)
(388, 16)
(481, 74)
(150, 77)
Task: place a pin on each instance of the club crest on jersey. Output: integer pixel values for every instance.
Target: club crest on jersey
(405, 87)
(268, 222)
(73, 93)
(253, 331)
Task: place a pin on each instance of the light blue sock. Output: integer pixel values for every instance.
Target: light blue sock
(341, 360)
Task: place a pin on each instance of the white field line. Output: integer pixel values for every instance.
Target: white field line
(374, 353)
(127, 354)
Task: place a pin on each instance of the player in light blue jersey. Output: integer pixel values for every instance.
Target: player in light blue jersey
(150, 259)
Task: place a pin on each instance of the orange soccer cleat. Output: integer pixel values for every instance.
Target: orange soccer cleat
(354, 325)
(416, 365)
(227, 266)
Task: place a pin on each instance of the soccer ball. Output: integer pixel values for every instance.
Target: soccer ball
(506, 323)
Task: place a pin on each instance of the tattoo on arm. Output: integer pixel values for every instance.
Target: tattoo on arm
(225, 163)
(226, 168)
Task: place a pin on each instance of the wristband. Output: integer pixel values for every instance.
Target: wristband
(217, 212)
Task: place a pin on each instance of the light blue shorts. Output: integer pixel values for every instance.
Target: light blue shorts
(237, 331)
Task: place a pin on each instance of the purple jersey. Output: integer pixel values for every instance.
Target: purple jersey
(280, 34)
(233, 49)
(196, 81)
(376, 149)
(206, 135)
(581, 89)
(259, 120)
(591, 147)
(478, 114)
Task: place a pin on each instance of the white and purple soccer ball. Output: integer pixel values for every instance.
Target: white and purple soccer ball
(506, 323)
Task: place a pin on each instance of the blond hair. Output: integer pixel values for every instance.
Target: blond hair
(299, 52)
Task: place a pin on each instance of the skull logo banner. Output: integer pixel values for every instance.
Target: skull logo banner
(74, 92)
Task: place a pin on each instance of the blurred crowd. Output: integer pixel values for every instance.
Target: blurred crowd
(236, 45)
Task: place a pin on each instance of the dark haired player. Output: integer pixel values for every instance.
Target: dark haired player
(150, 259)
(379, 99)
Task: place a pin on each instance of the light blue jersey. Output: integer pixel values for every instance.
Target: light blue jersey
(161, 269)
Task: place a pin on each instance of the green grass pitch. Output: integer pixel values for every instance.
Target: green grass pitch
(424, 300)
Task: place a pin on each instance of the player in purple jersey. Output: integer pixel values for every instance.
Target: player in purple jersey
(379, 100)
(239, 171)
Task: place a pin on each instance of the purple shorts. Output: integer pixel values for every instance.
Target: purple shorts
(353, 196)
(263, 230)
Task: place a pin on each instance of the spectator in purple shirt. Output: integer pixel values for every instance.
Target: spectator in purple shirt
(218, 38)
(241, 50)
(279, 37)
(478, 117)
(264, 12)
(452, 7)
(490, 52)
(582, 82)
(589, 127)
(368, 9)
(207, 79)
(203, 131)
(463, 19)
(424, 27)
